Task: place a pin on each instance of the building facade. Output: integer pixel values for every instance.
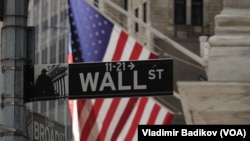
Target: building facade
(50, 19)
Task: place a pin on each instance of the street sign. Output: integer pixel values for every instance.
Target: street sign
(116, 79)
(42, 128)
(103, 79)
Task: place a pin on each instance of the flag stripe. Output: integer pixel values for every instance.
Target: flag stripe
(123, 118)
(153, 56)
(120, 46)
(116, 118)
(128, 49)
(108, 119)
(80, 105)
(136, 52)
(91, 119)
(168, 118)
(136, 120)
(100, 121)
(152, 117)
(82, 112)
(75, 120)
(110, 51)
(145, 115)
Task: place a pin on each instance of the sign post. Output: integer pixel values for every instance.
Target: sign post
(103, 79)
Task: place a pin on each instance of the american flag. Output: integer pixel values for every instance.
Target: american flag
(95, 38)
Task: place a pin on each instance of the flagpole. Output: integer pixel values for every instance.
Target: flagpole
(181, 48)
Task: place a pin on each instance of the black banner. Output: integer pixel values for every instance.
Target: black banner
(194, 132)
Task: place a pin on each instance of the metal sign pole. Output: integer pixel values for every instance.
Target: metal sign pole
(13, 60)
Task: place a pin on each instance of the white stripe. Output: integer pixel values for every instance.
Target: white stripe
(112, 44)
(99, 121)
(129, 46)
(75, 124)
(127, 126)
(85, 112)
(144, 54)
(161, 116)
(145, 116)
(147, 111)
(117, 115)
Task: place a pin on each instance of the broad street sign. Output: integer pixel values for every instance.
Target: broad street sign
(103, 79)
(42, 128)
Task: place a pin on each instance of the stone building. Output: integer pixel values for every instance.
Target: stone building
(224, 98)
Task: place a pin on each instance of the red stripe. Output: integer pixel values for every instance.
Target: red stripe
(137, 118)
(120, 46)
(124, 117)
(70, 58)
(153, 56)
(168, 118)
(91, 119)
(71, 108)
(80, 105)
(108, 118)
(153, 114)
(136, 52)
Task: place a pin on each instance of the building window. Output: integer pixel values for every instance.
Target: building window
(125, 5)
(180, 12)
(136, 24)
(44, 56)
(54, 21)
(197, 12)
(44, 25)
(52, 109)
(188, 12)
(43, 107)
(64, 14)
(36, 2)
(96, 3)
(37, 58)
(62, 51)
(52, 53)
(145, 12)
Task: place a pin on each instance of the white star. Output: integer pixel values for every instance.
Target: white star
(103, 31)
(96, 51)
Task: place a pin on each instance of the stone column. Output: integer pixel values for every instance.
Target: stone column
(229, 55)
